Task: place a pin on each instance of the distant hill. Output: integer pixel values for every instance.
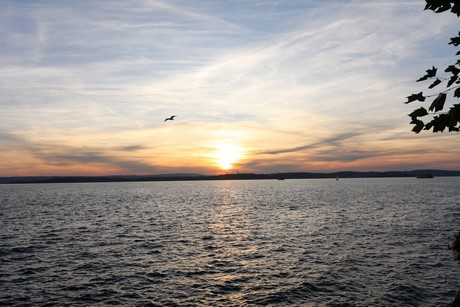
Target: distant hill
(386, 174)
(237, 176)
(23, 179)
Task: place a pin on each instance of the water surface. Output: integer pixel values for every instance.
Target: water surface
(357, 242)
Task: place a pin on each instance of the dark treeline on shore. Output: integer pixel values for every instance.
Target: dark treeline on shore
(231, 176)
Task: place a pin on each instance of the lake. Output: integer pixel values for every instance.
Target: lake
(315, 242)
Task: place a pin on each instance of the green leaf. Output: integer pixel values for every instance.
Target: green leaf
(418, 126)
(455, 41)
(438, 103)
(436, 124)
(452, 80)
(443, 8)
(452, 120)
(455, 110)
(430, 73)
(456, 9)
(436, 82)
(415, 97)
(429, 125)
(418, 113)
(442, 123)
(454, 70)
(438, 6)
(457, 93)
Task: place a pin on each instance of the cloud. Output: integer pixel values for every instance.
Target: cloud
(128, 166)
(131, 148)
(315, 81)
(331, 141)
(8, 137)
(53, 154)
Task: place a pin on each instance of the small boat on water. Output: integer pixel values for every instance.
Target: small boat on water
(427, 176)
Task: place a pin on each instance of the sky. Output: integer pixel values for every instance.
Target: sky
(257, 86)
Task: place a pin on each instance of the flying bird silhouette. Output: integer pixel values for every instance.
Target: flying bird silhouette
(170, 118)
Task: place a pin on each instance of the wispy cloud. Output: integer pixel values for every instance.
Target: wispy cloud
(67, 156)
(314, 81)
(331, 141)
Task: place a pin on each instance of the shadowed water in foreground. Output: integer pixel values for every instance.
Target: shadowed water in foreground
(378, 242)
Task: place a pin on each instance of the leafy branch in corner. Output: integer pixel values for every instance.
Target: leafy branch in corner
(450, 119)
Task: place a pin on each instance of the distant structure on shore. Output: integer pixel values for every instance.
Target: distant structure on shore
(427, 176)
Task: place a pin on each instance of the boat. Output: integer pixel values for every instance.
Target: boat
(427, 176)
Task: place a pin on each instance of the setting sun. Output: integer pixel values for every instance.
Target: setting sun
(226, 155)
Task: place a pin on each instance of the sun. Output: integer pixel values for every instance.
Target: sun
(227, 154)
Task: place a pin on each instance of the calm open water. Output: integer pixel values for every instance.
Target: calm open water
(352, 242)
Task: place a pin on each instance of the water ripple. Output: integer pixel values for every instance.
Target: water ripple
(230, 243)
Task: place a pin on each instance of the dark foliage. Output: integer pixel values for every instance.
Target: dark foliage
(439, 119)
(439, 6)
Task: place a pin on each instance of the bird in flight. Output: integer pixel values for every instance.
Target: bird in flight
(170, 118)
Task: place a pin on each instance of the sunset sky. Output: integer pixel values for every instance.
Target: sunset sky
(257, 86)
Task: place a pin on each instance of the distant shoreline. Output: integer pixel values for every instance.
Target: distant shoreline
(236, 176)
